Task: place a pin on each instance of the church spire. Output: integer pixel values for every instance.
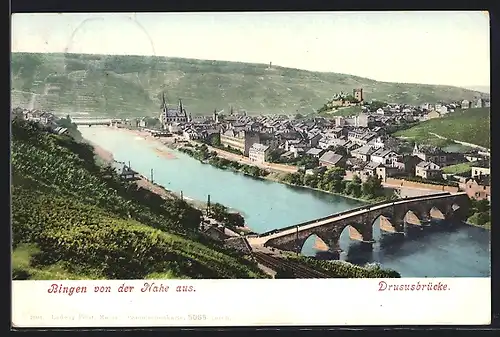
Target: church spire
(163, 100)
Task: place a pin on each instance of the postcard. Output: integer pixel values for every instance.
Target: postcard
(250, 169)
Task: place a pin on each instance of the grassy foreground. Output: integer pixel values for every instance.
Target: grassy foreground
(470, 125)
(72, 219)
(131, 85)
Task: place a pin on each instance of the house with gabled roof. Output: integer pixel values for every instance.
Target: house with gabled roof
(330, 158)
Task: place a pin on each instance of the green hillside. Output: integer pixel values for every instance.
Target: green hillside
(130, 85)
(471, 126)
(73, 219)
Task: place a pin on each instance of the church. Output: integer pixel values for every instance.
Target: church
(173, 115)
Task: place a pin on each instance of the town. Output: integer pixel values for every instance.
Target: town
(361, 145)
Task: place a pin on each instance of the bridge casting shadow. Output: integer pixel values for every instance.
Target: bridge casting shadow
(383, 234)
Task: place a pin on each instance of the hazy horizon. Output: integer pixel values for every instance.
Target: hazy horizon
(440, 48)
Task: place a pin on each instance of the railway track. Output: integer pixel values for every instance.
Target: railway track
(298, 270)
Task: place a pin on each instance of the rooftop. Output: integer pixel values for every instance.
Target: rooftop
(260, 147)
(330, 157)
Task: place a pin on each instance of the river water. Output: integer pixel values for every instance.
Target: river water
(446, 251)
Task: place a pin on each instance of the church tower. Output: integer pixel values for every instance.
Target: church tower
(163, 102)
(163, 108)
(416, 151)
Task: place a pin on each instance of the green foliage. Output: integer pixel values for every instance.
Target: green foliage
(305, 161)
(81, 221)
(332, 180)
(436, 181)
(372, 187)
(470, 125)
(480, 213)
(202, 153)
(340, 269)
(232, 220)
(129, 85)
(458, 169)
(375, 105)
(283, 272)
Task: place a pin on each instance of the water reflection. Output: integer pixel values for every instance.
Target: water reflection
(440, 249)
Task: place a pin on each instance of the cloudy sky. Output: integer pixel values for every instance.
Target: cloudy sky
(414, 47)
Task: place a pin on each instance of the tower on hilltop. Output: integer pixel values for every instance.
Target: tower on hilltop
(358, 94)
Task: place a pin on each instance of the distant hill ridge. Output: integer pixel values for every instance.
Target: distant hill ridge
(132, 85)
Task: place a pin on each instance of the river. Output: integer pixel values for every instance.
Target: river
(447, 251)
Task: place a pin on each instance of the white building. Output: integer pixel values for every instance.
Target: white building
(428, 170)
(385, 157)
(258, 153)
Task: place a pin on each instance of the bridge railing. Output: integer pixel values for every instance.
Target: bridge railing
(271, 232)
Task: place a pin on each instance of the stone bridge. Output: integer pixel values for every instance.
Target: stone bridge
(94, 121)
(329, 229)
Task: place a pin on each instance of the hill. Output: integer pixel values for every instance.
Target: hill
(73, 219)
(471, 126)
(131, 85)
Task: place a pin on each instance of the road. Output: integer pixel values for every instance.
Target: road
(407, 192)
(245, 160)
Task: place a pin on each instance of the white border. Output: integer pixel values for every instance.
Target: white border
(327, 302)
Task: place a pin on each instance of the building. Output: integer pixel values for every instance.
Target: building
(428, 170)
(240, 140)
(315, 152)
(128, 174)
(258, 153)
(433, 114)
(384, 156)
(479, 189)
(358, 95)
(363, 120)
(363, 153)
(330, 158)
(191, 134)
(480, 170)
(172, 115)
(434, 155)
(465, 104)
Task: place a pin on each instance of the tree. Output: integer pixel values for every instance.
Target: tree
(375, 105)
(350, 98)
(152, 121)
(332, 179)
(483, 206)
(283, 272)
(354, 187)
(235, 220)
(372, 187)
(308, 162)
(218, 211)
(311, 180)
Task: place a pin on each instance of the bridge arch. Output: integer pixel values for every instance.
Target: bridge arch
(385, 224)
(314, 243)
(435, 213)
(413, 217)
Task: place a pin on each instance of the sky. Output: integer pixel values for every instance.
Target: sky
(450, 48)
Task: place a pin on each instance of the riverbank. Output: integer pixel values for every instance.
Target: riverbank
(106, 157)
(193, 150)
(272, 177)
(274, 174)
